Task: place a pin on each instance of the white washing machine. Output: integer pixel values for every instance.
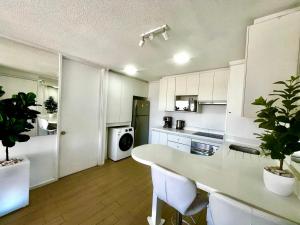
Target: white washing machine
(120, 142)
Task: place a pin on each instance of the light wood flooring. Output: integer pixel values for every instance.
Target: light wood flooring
(114, 194)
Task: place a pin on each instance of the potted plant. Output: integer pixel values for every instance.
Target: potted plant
(280, 119)
(15, 119)
(50, 105)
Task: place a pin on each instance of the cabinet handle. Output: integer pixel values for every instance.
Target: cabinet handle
(63, 132)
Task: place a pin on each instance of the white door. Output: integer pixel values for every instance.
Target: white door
(79, 117)
(220, 85)
(192, 84)
(206, 86)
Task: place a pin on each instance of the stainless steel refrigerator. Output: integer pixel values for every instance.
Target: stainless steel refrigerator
(140, 121)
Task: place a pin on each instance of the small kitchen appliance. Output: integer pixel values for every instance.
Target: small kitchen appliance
(168, 121)
(180, 124)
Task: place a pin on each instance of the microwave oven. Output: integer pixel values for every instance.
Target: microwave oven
(186, 105)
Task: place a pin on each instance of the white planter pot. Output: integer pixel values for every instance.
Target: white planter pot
(14, 187)
(278, 184)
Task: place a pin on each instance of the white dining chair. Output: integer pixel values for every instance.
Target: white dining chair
(223, 210)
(178, 192)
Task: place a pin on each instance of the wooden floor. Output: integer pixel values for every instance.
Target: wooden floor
(114, 194)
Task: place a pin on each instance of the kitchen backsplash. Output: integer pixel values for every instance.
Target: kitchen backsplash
(211, 117)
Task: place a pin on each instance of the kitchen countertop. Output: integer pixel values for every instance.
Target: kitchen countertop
(189, 133)
(238, 175)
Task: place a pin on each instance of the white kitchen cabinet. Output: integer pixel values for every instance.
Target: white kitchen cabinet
(236, 88)
(187, 84)
(180, 147)
(113, 98)
(155, 137)
(206, 83)
(163, 138)
(179, 139)
(220, 85)
(166, 101)
(159, 138)
(192, 84)
(272, 54)
(162, 100)
(170, 106)
(181, 85)
(121, 90)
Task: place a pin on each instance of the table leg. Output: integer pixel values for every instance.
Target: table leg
(155, 218)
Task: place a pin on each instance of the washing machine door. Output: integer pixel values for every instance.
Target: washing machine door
(126, 142)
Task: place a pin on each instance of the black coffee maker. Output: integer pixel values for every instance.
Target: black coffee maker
(168, 121)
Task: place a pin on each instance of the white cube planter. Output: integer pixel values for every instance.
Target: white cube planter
(14, 187)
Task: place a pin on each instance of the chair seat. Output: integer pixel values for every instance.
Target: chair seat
(200, 202)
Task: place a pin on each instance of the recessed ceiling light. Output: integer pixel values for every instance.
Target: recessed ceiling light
(130, 69)
(181, 58)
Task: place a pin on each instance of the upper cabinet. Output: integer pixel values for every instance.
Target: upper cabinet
(213, 86)
(187, 84)
(236, 88)
(272, 54)
(206, 86)
(167, 94)
(121, 90)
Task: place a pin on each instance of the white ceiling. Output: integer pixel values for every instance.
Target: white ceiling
(107, 31)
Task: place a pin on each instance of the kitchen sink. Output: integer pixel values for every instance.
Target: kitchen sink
(244, 149)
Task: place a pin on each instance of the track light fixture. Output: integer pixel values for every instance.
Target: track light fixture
(152, 33)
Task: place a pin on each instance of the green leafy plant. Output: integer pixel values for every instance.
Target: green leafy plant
(50, 105)
(15, 118)
(281, 122)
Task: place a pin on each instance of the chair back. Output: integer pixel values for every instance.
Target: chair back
(174, 189)
(223, 210)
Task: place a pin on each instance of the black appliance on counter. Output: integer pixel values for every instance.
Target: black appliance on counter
(180, 124)
(168, 121)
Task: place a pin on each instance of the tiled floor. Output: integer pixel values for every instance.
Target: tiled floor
(113, 194)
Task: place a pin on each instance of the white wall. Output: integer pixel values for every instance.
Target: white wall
(211, 116)
(42, 154)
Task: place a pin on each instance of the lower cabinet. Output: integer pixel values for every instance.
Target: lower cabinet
(172, 140)
(159, 138)
(180, 147)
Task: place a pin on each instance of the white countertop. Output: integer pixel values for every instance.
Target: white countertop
(238, 175)
(189, 133)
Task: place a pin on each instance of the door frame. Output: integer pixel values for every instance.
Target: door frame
(102, 105)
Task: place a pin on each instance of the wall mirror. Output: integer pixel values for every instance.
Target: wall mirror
(24, 68)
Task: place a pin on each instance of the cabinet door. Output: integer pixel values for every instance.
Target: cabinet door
(139, 88)
(206, 86)
(171, 94)
(220, 85)
(181, 85)
(155, 137)
(128, 86)
(236, 89)
(163, 138)
(113, 98)
(162, 100)
(272, 55)
(192, 84)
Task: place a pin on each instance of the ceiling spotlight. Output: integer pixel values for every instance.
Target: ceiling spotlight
(130, 70)
(165, 35)
(142, 42)
(154, 32)
(181, 58)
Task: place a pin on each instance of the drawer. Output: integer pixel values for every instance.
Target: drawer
(180, 147)
(179, 139)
